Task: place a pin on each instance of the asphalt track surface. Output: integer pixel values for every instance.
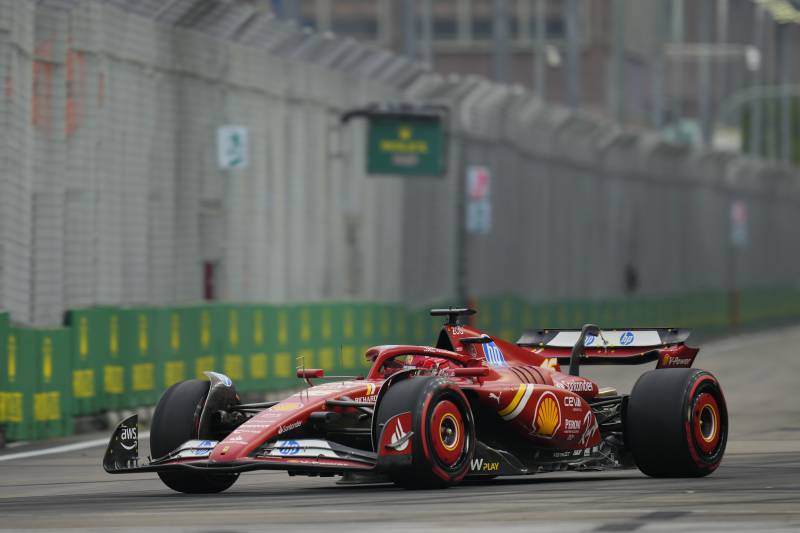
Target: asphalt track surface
(756, 488)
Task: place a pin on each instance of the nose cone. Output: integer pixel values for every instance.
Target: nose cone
(288, 415)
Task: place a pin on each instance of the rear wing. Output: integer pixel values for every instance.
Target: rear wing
(594, 346)
(608, 338)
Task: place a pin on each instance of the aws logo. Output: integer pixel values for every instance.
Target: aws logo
(128, 438)
(547, 416)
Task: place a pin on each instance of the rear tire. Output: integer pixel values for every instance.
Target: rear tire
(176, 420)
(443, 440)
(676, 423)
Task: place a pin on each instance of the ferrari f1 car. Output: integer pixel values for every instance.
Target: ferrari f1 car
(472, 406)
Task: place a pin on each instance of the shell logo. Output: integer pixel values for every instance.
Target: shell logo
(548, 416)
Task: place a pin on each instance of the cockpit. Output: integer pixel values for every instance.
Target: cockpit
(429, 364)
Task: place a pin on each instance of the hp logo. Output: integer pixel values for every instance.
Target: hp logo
(626, 338)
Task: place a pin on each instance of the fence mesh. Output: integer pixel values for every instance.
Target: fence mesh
(110, 192)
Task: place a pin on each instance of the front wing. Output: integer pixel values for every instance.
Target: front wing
(305, 456)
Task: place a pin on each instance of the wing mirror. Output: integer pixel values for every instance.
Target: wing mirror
(307, 373)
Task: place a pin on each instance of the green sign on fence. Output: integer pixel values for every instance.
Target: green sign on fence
(413, 146)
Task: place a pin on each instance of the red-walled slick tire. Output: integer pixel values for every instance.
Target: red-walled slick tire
(676, 423)
(443, 431)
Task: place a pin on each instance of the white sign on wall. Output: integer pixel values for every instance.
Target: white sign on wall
(479, 217)
(478, 183)
(479, 206)
(739, 223)
(232, 147)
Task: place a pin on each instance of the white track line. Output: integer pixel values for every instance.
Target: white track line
(63, 449)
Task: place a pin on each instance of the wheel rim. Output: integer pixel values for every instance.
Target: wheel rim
(447, 433)
(706, 423)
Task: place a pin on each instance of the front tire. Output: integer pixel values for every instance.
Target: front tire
(175, 421)
(443, 439)
(676, 423)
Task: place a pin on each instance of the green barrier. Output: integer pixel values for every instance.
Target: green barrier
(329, 354)
(113, 362)
(111, 358)
(136, 331)
(319, 328)
(21, 380)
(369, 326)
(206, 356)
(419, 326)
(52, 399)
(383, 328)
(233, 325)
(3, 365)
(284, 360)
(185, 339)
(514, 326)
(258, 358)
(528, 318)
(401, 324)
(302, 326)
(339, 337)
(346, 321)
(165, 345)
(245, 345)
(318, 340)
(86, 355)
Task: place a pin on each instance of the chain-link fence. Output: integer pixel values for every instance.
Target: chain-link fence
(110, 192)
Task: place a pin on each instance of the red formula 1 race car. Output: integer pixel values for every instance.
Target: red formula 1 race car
(429, 417)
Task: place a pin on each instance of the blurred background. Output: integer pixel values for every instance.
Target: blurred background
(180, 191)
(690, 69)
